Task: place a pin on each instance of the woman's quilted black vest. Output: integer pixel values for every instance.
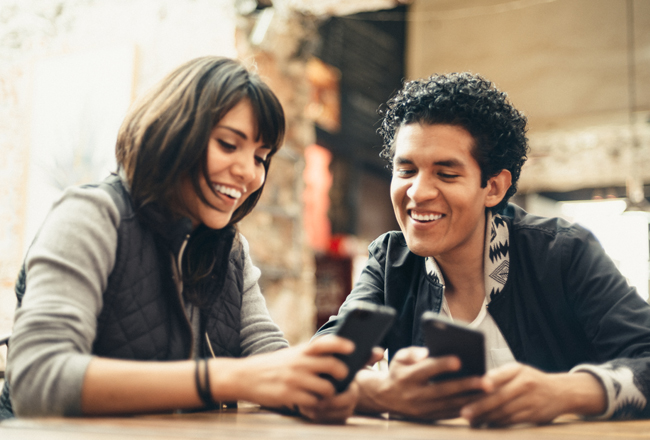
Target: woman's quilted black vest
(141, 319)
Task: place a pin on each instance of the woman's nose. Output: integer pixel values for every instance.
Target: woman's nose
(245, 167)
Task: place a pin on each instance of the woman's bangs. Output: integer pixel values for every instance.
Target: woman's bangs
(269, 115)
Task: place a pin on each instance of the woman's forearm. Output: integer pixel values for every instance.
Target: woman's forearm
(369, 382)
(116, 386)
(287, 377)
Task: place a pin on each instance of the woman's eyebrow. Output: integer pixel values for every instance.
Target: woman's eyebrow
(239, 133)
(242, 135)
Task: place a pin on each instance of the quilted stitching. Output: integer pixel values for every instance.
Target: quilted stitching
(224, 317)
(138, 322)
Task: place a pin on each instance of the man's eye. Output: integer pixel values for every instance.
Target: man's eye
(403, 173)
(448, 176)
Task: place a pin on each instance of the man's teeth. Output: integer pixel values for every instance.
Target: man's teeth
(231, 192)
(425, 217)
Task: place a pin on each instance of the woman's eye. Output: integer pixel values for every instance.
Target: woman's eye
(226, 145)
(260, 160)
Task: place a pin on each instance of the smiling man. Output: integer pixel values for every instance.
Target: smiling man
(565, 333)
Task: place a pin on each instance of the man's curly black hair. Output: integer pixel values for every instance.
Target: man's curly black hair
(469, 101)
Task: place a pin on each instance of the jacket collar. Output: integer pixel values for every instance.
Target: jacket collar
(496, 255)
(496, 258)
(172, 232)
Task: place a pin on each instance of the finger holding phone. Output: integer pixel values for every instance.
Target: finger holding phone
(407, 390)
(365, 325)
(523, 394)
(434, 382)
(337, 408)
(332, 409)
(292, 376)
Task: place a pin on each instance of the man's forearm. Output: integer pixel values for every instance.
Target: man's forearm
(585, 394)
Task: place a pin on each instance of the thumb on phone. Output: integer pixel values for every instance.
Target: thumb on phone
(376, 355)
(411, 355)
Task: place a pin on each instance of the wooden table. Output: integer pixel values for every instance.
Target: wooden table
(252, 422)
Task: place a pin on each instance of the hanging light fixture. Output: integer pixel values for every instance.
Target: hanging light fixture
(635, 194)
(634, 189)
(248, 7)
(260, 14)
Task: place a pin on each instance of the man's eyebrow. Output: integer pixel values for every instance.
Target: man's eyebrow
(402, 160)
(242, 135)
(450, 163)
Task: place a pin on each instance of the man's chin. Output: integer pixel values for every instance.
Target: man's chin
(420, 248)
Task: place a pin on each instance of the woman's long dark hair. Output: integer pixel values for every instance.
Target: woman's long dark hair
(164, 139)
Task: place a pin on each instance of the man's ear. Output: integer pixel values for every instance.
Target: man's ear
(497, 188)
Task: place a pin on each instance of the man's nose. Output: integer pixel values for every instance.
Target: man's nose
(422, 188)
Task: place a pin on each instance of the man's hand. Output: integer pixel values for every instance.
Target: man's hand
(407, 389)
(523, 394)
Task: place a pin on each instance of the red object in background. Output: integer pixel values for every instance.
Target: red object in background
(337, 245)
(333, 266)
(343, 245)
(333, 253)
(318, 181)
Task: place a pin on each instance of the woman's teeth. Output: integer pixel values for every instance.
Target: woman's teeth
(425, 217)
(230, 192)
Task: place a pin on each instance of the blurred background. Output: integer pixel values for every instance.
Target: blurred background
(579, 69)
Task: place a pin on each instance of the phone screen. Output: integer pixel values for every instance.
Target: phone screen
(444, 337)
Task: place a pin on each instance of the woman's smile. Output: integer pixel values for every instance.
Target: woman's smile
(230, 193)
(235, 164)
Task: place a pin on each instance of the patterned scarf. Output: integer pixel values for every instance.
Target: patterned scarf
(496, 257)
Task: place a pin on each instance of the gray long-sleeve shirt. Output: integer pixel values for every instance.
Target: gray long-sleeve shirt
(67, 268)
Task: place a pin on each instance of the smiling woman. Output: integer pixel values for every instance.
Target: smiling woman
(148, 266)
(235, 162)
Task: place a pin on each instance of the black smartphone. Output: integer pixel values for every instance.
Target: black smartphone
(365, 325)
(444, 337)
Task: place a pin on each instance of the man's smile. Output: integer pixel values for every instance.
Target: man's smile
(424, 217)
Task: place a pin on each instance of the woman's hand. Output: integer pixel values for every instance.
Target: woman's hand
(338, 408)
(286, 378)
(407, 389)
(334, 409)
(523, 394)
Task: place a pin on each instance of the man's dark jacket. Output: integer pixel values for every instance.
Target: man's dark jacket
(564, 303)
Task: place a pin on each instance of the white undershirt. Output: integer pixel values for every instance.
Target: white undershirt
(497, 352)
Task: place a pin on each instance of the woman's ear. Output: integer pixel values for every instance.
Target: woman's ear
(497, 188)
